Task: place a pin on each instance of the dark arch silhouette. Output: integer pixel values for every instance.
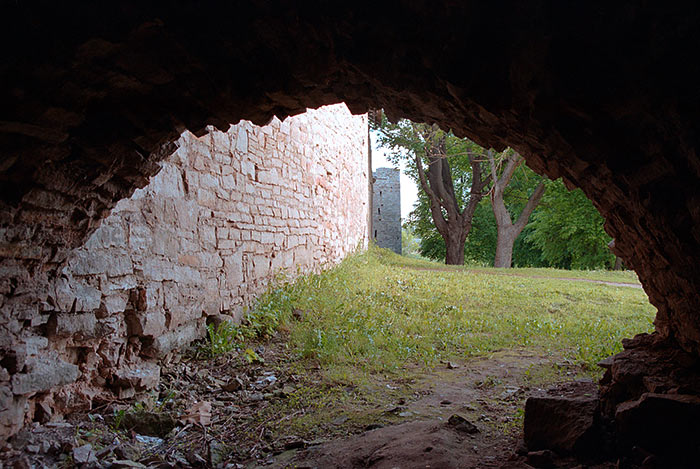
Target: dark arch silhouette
(91, 96)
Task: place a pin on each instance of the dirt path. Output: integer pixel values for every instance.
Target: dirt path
(488, 393)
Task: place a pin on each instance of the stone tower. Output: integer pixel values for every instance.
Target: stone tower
(386, 206)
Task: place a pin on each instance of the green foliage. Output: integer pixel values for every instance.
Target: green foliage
(223, 338)
(251, 356)
(410, 244)
(118, 418)
(272, 310)
(568, 230)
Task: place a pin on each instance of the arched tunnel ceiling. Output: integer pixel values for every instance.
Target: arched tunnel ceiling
(604, 96)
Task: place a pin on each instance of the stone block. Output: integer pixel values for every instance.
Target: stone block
(233, 267)
(71, 295)
(187, 213)
(210, 260)
(109, 234)
(228, 182)
(140, 237)
(119, 264)
(115, 303)
(242, 140)
(44, 374)
(566, 424)
(87, 263)
(261, 266)
(75, 325)
(139, 377)
(177, 339)
(146, 324)
(168, 182)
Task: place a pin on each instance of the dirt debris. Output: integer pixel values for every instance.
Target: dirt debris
(231, 412)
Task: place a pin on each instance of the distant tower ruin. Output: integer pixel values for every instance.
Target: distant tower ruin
(386, 206)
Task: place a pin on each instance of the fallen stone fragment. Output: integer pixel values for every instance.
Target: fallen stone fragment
(84, 454)
(125, 464)
(565, 424)
(199, 413)
(298, 314)
(149, 441)
(256, 396)
(217, 453)
(340, 420)
(295, 444)
(373, 426)
(235, 384)
(461, 424)
(149, 423)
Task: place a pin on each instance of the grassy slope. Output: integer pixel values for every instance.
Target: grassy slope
(378, 325)
(374, 313)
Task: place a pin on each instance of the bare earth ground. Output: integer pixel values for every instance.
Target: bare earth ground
(410, 429)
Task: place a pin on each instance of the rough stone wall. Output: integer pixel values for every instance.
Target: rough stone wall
(226, 212)
(386, 209)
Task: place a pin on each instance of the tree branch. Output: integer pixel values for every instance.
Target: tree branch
(529, 208)
(435, 208)
(499, 207)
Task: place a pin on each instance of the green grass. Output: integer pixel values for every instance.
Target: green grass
(619, 276)
(373, 314)
(378, 327)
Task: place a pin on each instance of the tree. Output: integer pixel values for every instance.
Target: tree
(432, 153)
(506, 229)
(568, 230)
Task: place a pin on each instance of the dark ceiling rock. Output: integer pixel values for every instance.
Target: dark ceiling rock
(605, 96)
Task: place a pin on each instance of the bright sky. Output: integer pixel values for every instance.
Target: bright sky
(409, 190)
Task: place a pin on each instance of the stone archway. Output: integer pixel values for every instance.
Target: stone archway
(604, 97)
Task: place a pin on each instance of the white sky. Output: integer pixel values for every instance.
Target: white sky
(409, 190)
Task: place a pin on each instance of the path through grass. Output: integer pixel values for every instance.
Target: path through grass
(377, 332)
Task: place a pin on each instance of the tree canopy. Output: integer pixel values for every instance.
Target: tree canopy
(564, 231)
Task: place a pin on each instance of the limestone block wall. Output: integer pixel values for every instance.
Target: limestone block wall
(386, 209)
(225, 214)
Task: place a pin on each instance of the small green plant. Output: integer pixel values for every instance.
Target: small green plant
(223, 338)
(118, 418)
(251, 356)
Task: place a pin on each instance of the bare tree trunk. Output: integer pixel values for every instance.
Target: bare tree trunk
(452, 223)
(618, 263)
(454, 254)
(504, 248)
(618, 260)
(508, 231)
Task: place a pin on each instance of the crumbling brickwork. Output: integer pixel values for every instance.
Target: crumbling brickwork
(386, 209)
(226, 213)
